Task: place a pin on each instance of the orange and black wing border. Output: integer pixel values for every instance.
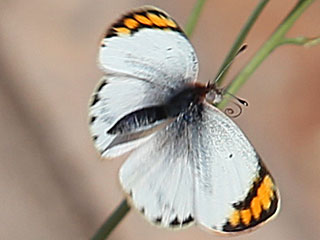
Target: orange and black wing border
(261, 204)
(145, 17)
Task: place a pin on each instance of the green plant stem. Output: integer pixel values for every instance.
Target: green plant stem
(239, 40)
(274, 41)
(302, 41)
(107, 227)
(193, 18)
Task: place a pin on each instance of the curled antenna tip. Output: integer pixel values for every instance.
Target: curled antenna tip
(243, 102)
(232, 113)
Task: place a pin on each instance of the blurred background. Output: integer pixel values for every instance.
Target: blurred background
(52, 184)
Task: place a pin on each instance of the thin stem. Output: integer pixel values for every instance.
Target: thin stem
(274, 41)
(112, 221)
(302, 41)
(239, 40)
(193, 18)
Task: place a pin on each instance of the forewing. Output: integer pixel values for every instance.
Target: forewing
(233, 189)
(148, 44)
(158, 177)
(145, 57)
(114, 98)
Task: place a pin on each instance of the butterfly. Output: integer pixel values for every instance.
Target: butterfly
(188, 163)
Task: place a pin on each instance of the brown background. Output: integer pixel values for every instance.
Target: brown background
(52, 185)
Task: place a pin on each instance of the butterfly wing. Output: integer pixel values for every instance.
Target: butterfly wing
(159, 177)
(147, 44)
(233, 189)
(145, 57)
(200, 168)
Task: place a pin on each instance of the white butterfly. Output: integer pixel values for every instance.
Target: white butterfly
(189, 163)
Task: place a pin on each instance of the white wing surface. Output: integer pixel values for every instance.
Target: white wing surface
(159, 177)
(145, 57)
(200, 168)
(233, 189)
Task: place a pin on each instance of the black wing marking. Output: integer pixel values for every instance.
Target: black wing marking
(138, 120)
(143, 18)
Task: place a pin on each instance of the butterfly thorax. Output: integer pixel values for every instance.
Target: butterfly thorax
(183, 100)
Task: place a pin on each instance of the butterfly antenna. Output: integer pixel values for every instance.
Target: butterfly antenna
(240, 100)
(219, 92)
(241, 50)
(230, 111)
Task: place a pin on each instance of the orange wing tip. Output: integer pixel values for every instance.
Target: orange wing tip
(122, 30)
(248, 220)
(156, 20)
(131, 23)
(260, 205)
(143, 18)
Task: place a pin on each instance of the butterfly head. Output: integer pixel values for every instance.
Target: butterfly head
(214, 93)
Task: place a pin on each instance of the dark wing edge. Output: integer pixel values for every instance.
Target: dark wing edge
(143, 17)
(261, 204)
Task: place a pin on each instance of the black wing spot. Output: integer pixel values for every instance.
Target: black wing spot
(231, 155)
(102, 85)
(110, 33)
(95, 138)
(96, 99)
(142, 210)
(158, 220)
(187, 220)
(156, 12)
(92, 119)
(175, 222)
